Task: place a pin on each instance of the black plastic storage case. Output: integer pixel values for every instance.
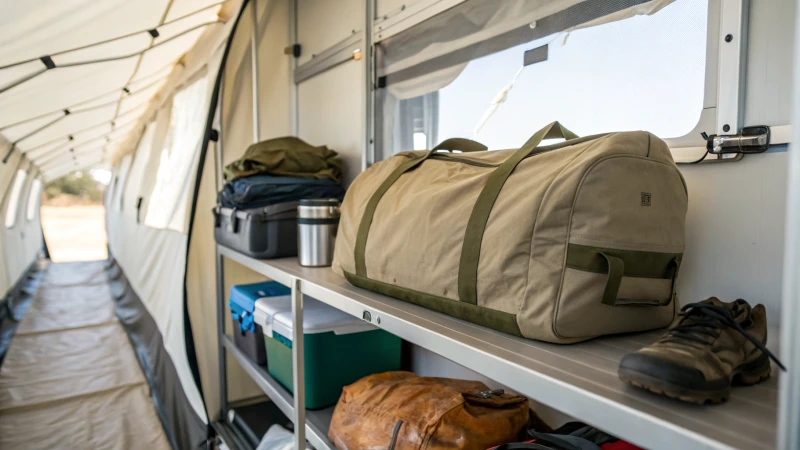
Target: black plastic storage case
(263, 233)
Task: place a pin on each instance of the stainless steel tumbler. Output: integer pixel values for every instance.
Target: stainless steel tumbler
(317, 223)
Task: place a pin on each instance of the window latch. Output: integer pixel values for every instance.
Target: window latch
(753, 139)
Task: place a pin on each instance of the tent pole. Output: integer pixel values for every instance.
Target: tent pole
(222, 363)
(220, 262)
(254, 63)
(298, 366)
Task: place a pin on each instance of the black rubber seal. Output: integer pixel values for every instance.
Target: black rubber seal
(319, 202)
(331, 221)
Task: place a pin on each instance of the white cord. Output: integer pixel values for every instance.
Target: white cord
(498, 99)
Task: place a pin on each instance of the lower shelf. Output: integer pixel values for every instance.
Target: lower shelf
(579, 380)
(317, 422)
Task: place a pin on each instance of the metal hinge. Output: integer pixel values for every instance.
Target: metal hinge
(753, 139)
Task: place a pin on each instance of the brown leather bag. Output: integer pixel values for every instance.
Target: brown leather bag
(436, 413)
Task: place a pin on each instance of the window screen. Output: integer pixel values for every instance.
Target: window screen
(13, 199)
(167, 205)
(645, 72)
(34, 198)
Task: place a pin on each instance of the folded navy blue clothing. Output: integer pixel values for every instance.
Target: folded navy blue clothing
(264, 190)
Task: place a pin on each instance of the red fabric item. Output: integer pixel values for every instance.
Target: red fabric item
(620, 445)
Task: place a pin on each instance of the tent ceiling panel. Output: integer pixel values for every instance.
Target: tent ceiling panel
(122, 124)
(74, 167)
(12, 74)
(169, 31)
(67, 157)
(70, 158)
(68, 125)
(61, 88)
(133, 101)
(104, 137)
(141, 80)
(31, 29)
(98, 101)
(110, 139)
(78, 138)
(48, 148)
(155, 59)
(128, 46)
(181, 8)
(106, 68)
(15, 132)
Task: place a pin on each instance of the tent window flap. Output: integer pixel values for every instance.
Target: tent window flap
(167, 207)
(33, 199)
(13, 200)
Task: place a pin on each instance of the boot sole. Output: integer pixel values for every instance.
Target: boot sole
(744, 375)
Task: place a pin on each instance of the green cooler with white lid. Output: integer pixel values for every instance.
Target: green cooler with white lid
(339, 349)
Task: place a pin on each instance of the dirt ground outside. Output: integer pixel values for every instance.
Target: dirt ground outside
(75, 233)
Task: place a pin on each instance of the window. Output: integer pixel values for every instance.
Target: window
(34, 198)
(136, 176)
(645, 72)
(167, 206)
(13, 199)
(119, 185)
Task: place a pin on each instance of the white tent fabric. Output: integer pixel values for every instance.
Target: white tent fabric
(75, 115)
(152, 253)
(108, 67)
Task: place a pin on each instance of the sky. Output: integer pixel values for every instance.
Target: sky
(643, 73)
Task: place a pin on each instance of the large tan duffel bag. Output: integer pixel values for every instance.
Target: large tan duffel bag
(560, 243)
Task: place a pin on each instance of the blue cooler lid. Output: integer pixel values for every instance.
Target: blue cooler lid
(244, 296)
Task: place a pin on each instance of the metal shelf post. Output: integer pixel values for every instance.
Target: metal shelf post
(298, 365)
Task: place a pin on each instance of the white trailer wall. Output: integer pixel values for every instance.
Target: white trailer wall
(735, 225)
(331, 104)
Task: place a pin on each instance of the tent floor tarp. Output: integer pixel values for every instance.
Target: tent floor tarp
(70, 378)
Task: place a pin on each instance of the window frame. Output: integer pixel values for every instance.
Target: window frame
(723, 97)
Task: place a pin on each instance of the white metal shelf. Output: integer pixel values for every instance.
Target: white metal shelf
(317, 422)
(579, 379)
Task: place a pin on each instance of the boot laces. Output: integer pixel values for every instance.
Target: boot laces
(704, 319)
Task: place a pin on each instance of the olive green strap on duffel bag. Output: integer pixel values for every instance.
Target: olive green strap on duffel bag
(464, 145)
(471, 248)
(460, 144)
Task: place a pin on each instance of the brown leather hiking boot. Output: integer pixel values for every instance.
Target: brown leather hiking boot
(714, 345)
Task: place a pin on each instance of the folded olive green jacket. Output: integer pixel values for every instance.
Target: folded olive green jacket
(288, 157)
